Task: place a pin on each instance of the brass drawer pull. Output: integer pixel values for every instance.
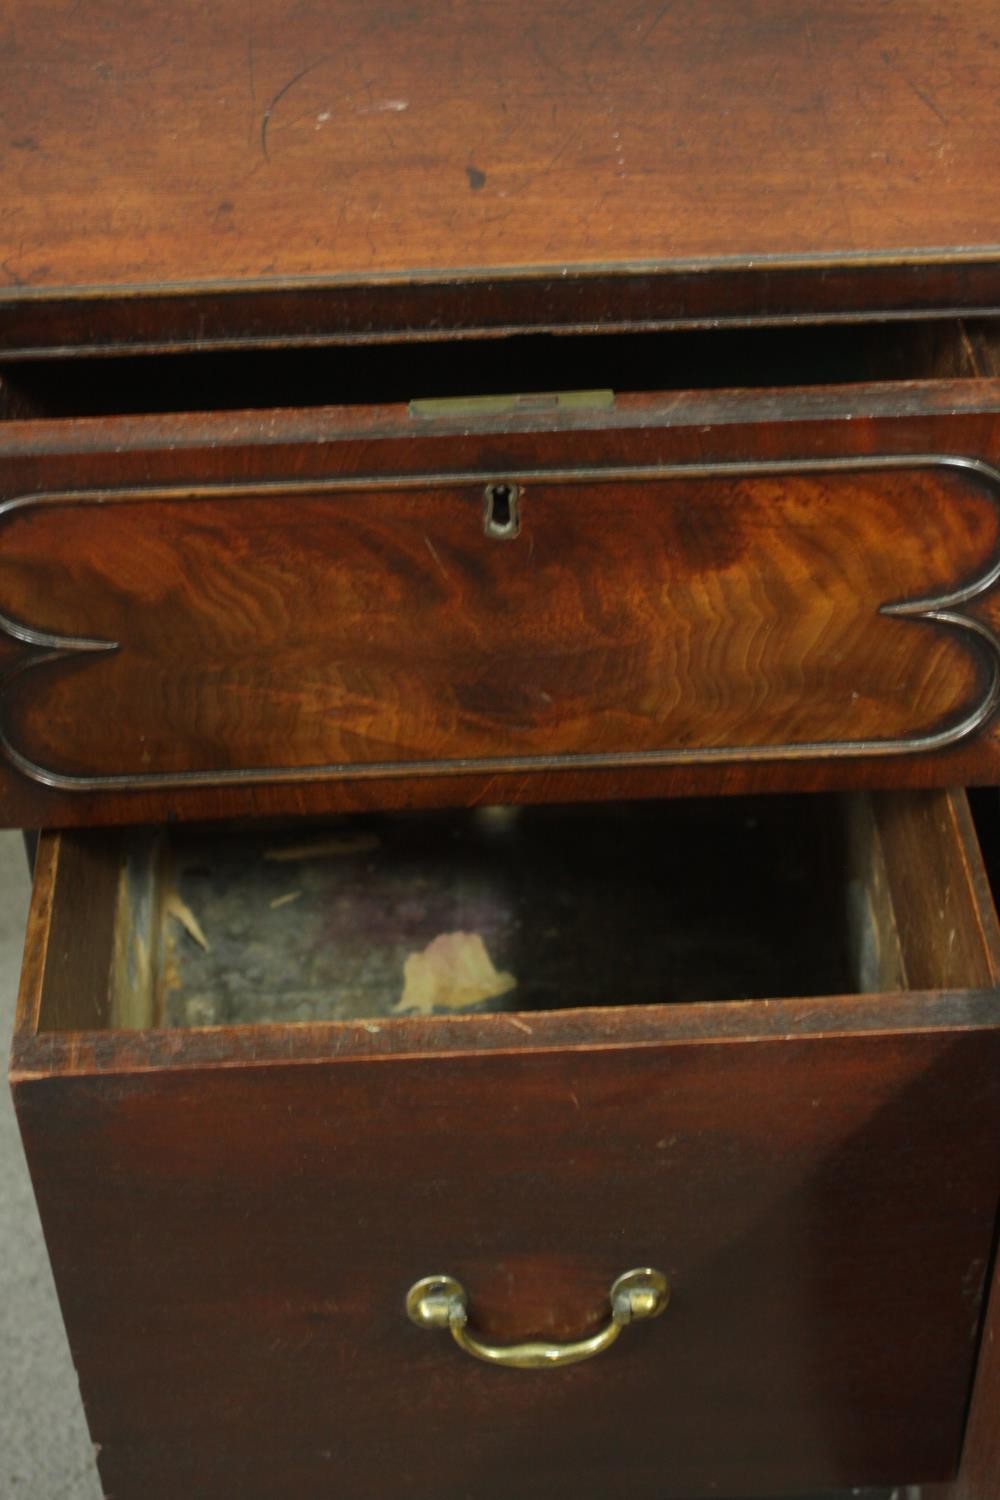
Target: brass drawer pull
(441, 1302)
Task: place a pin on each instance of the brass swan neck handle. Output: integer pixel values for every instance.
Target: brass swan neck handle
(441, 1302)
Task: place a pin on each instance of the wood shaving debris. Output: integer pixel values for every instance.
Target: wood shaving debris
(285, 900)
(183, 914)
(521, 1025)
(326, 848)
(452, 972)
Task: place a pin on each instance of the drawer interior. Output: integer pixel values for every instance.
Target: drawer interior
(517, 910)
(394, 373)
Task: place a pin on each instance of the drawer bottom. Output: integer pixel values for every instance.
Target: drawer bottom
(505, 909)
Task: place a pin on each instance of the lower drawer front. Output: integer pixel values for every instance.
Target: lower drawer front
(236, 1215)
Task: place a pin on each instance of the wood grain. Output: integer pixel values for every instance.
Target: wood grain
(650, 619)
(319, 633)
(940, 894)
(449, 166)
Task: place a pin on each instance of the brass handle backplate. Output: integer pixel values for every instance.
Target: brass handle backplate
(441, 1302)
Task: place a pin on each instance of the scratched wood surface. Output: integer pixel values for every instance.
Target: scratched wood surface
(155, 148)
(311, 609)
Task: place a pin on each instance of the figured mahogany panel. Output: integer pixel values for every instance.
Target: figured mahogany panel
(349, 628)
(288, 612)
(167, 169)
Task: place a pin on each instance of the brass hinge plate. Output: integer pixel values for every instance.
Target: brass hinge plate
(460, 407)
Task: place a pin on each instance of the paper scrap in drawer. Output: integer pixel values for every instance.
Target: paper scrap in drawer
(453, 972)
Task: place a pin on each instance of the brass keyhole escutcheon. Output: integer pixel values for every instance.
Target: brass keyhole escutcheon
(501, 518)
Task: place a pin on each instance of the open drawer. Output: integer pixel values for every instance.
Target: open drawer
(736, 561)
(752, 1045)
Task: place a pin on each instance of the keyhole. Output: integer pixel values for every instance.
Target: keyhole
(500, 518)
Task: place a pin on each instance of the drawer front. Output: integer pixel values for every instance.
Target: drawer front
(495, 622)
(236, 1214)
(233, 1251)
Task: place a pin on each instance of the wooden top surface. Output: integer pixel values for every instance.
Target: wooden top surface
(176, 145)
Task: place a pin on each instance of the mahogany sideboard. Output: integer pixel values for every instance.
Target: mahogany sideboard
(499, 611)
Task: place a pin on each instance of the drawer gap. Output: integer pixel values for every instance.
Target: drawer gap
(711, 359)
